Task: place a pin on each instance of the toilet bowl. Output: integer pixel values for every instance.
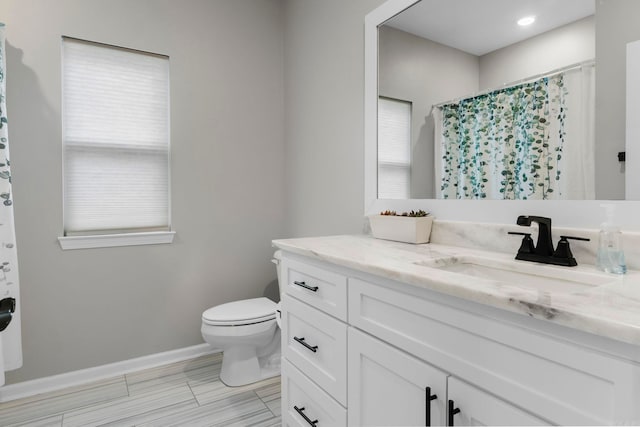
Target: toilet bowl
(247, 333)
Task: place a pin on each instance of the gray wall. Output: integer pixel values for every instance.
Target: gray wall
(324, 92)
(569, 44)
(90, 307)
(616, 25)
(425, 73)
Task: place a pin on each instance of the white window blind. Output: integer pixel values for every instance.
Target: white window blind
(394, 148)
(115, 119)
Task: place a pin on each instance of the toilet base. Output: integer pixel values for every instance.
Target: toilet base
(241, 366)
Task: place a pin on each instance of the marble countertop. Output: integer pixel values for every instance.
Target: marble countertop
(584, 298)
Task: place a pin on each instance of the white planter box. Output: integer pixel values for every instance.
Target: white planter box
(401, 228)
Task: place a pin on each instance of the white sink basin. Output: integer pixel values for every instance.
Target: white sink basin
(521, 273)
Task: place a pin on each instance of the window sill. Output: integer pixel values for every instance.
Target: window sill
(112, 240)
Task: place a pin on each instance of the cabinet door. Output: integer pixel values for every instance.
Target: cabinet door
(388, 387)
(477, 407)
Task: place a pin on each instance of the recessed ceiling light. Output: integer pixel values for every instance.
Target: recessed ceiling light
(527, 20)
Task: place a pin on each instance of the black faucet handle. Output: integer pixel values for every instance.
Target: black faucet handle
(563, 251)
(584, 239)
(526, 247)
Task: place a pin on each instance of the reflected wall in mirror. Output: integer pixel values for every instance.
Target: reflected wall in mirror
(471, 105)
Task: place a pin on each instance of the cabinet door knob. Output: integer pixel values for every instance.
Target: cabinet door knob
(451, 412)
(429, 398)
(304, 285)
(304, 343)
(307, 419)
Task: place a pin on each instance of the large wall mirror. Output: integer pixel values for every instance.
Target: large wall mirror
(471, 105)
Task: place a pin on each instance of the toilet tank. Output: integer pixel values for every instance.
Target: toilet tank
(277, 258)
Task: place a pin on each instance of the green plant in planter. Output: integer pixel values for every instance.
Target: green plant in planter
(419, 213)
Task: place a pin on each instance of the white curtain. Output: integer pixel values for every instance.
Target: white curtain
(579, 145)
(10, 338)
(438, 143)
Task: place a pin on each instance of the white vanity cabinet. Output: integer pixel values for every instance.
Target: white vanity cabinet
(401, 354)
(314, 345)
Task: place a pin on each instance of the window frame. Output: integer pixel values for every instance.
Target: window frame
(396, 165)
(123, 237)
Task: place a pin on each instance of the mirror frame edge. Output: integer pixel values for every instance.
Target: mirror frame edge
(490, 211)
(373, 20)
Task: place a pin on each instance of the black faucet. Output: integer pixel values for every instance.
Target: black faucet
(543, 250)
(544, 246)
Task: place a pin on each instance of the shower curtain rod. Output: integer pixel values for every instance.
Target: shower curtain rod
(518, 82)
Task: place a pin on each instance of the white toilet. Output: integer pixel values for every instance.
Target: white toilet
(248, 334)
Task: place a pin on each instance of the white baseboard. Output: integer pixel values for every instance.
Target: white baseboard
(83, 376)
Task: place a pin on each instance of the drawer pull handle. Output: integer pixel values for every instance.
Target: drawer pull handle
(302, 414)
(430, 397)
(304, 285)
(302, 341)
(452, 411)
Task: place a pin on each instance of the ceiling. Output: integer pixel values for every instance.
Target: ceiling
(451, 22)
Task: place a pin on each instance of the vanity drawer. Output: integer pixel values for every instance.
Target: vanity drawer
(316, 344)
(301, 396)
(323, 289)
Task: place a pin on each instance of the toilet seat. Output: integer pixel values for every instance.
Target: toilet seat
(237, 313)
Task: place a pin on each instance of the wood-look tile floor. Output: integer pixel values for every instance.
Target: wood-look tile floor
(187, 393)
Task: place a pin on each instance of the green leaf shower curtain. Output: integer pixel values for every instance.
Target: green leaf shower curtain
(10, 338)
(511, 143)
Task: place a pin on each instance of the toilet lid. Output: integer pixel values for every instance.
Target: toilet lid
(245, 311)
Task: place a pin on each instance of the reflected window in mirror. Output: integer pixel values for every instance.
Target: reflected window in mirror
(394, 148)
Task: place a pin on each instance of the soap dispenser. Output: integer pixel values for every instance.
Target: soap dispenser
(610, 256)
